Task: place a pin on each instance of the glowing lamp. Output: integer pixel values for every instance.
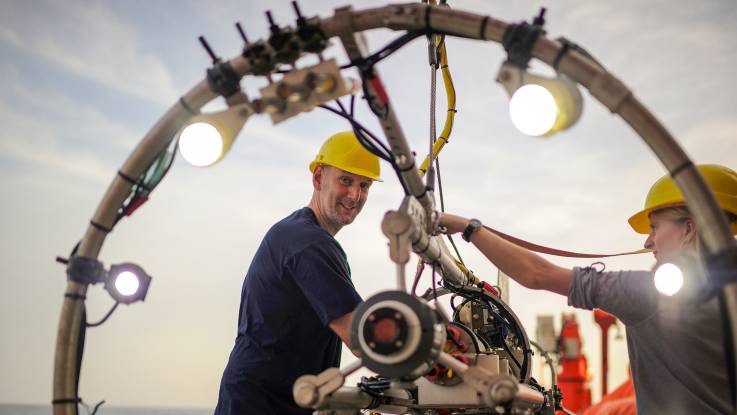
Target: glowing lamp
(127, 283)
(207, 138)
(540, 106)
(668, 279)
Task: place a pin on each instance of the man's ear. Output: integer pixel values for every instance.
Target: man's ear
(317, 175)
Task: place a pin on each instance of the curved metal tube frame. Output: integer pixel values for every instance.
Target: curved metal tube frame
(601, 84)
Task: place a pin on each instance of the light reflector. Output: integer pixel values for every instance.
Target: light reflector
(201, 144)
(668, 279)
(533, 110)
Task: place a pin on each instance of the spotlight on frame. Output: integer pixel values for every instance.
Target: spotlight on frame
(668, 279)
(540, 106)
(207, 138)
(127, 283)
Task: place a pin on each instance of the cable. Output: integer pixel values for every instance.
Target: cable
(148, 181)
(371, 143)
(549, 361)
(442, 209)
(418, 274)
(383, 152)
(384, 52)
(104, 319)
(487, 301)
(469, 331)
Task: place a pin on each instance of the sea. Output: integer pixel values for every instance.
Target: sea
(15, 409)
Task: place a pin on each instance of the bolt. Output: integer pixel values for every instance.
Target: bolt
(397, 316)
(398, 343)
(372, 345)
(371, 317)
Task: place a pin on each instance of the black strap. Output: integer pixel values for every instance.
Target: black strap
(127, 178)
(681, 168)
(428, 10)
(75, 296)
(63, 401)
(563, 50)
(100, 227)
(186, 106)
(482, 31)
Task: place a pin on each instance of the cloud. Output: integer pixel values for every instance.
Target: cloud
(91, 42)
(58, 135)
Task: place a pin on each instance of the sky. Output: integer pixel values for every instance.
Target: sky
(83, 81)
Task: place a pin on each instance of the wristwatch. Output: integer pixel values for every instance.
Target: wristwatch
(473, 226)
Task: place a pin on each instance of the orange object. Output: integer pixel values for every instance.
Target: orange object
(604, 320)
(573, 379)
(620, 402)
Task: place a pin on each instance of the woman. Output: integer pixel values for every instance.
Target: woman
(676, 349)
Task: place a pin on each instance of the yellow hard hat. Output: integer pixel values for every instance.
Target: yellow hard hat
(342, 150)
(665, 193)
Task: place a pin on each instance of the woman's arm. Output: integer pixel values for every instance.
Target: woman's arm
(523, 266)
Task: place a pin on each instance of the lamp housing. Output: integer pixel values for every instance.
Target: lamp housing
(207, 138)
(539, 105)
(127, 283)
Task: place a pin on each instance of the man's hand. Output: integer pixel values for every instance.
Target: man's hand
(452, 223)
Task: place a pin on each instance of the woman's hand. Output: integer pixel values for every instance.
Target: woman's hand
(452, 223)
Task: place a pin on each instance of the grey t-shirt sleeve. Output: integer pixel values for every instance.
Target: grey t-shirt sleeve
(628, 295)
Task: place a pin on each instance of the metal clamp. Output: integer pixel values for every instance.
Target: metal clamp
(310, 391)
(85, 270)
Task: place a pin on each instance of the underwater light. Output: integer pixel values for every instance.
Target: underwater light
(127, 283)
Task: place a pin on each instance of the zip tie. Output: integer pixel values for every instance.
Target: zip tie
(681, 168)
(66, 401)
(482, 31)
(75, 296)
(127, 178)
(563, 50)
(100, 227)
(187, 107)
(428, 10)
(411, 167)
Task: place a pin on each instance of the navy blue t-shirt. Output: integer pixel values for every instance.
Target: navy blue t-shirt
(298, 282)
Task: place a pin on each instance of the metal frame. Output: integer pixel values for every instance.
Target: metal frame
(602, 85)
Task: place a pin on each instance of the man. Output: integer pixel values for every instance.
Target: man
(297, 298)
(676, 348)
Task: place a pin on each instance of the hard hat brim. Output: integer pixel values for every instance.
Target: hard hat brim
(360, 172)
(640, 221)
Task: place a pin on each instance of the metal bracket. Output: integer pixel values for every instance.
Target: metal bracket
(303, 89)
(493, 390)
(309, 391)
(397, 226)
(85, 270)
(223, 80)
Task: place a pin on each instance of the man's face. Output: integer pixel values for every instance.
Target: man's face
(342, 194)
(666, 236)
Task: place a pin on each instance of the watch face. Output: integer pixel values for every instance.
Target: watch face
(473, 226)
